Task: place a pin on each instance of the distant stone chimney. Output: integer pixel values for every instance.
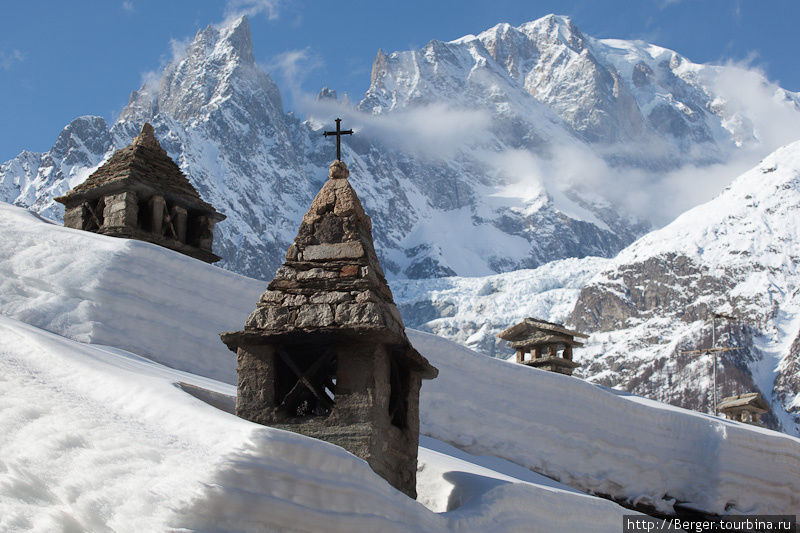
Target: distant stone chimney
(140, 193)
(543, 345)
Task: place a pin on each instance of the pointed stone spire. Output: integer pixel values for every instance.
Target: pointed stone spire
(147, 138)
(332, 281)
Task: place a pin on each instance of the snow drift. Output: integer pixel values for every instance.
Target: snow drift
(588, 437)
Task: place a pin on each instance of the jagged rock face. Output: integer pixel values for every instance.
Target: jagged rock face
(553, 61)
(787, 382)
(542, 86)
(738, 254)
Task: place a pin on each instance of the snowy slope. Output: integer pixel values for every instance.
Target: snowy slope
(589, 438)
(99, 439)
(737, 254)
(70, 282)
(519, 146)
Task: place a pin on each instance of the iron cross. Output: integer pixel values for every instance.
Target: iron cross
(338, 134)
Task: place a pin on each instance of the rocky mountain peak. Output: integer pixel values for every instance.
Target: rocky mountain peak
(379, 67)
(327, 94)
(555, 29)
(236, 37)
(87, 133)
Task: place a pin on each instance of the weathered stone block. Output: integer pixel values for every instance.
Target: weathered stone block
(327, 252)
(314, 315)
(255, 395)
(73, 217)
(179, 217)
(366, 296)
(295, 299)
(271, 297)
(269, 316)
(121, 210)
(329, 229)
(348, 271)
(157, 205)
(316, 273)
(338, 171)
(330, 297)
(207, 234)
(286, 272)
(291, 253)
(358, 314)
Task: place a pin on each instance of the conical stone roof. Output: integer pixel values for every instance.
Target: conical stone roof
(142, 166)
(332, 285)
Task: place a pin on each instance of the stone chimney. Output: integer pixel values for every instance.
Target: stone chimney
(325, 351)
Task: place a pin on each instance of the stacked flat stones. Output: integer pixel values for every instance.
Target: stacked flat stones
(332, 281)
(138, 192)
(327, 322)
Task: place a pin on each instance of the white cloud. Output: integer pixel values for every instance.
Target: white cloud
(756, 104)
(759, 113)
(127, 6)
(177, 48)
(8, 59)
(434, 131)
(237, 8)
(291, 68)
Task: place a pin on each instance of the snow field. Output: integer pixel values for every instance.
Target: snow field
(98, 439)
(110, 436)
(602, 440)
(124, 293)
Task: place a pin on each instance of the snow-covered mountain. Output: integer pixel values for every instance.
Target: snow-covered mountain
(737, 255)
(605, 90)
(481, 155)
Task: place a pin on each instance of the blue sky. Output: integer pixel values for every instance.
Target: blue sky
(60, 60)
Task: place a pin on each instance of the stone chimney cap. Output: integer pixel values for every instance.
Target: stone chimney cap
(147, 137)
(338, 170)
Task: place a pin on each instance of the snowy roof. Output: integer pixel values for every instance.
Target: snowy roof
(592, 438)
(144, 166)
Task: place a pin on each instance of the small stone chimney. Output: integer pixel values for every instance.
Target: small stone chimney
(325, 352)
(140, 193)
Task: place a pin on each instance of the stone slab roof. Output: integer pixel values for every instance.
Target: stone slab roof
(142, 166)
(752, 400)
(332, 285)
(534, 327)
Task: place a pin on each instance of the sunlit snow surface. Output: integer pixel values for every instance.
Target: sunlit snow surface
(101, 439)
